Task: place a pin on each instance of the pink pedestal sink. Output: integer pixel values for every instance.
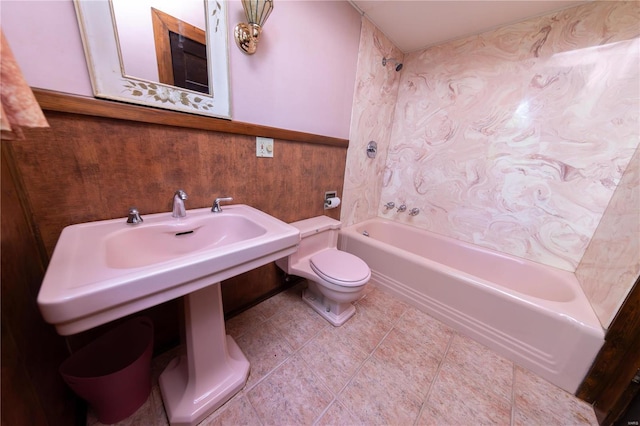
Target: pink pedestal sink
(212, 370)
(101, 271)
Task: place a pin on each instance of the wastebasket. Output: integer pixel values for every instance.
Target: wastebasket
(113, 373)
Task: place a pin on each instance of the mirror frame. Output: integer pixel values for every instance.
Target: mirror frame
(108, 79)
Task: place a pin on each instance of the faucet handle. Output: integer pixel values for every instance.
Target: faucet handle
(402, 208)
(134, 216)
(216, 204)
(390, 205)
(414, 211)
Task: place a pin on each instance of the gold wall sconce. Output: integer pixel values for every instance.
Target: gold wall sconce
(247, 35)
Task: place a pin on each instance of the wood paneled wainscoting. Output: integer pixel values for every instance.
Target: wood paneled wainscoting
(98, 158)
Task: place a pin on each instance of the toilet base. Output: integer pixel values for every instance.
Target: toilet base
(337, 314)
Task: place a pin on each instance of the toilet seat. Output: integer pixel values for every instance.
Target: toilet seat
(340, 268)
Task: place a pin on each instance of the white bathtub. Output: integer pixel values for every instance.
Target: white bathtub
(533, 314)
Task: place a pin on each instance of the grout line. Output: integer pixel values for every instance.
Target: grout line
(255, 412)
(435, 377)
(324, 410)
(355, 373)
(278, 365)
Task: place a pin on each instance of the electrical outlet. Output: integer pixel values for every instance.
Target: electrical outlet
(264, 147)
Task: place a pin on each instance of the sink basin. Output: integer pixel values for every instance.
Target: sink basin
(104, 270)
(160, 242)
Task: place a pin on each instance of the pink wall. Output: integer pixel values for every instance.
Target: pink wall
(301, 78)
(45, 40)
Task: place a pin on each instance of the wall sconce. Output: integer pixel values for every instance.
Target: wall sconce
(247, 35)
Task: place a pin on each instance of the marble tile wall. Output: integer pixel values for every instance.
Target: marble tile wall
(611, 264)
(371, 117)
(514, 139)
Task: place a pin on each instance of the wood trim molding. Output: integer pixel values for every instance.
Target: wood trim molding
(162, 24)
(64, 102)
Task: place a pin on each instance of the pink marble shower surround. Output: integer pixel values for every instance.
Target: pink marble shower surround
(516, 139)
(611, 264)
(374, 103)
(533, 314)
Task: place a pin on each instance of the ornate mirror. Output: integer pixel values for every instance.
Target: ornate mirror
(161, 53)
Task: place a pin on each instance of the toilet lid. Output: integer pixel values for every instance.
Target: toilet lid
(340, 267)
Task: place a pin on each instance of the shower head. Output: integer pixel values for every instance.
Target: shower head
(395, 61)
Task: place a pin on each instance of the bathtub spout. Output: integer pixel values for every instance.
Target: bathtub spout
(390, 205)
(402, 208)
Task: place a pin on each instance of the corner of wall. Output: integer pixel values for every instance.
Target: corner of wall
(611, 263)
(374, 101)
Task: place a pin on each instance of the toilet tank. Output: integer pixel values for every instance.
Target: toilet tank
(317, 233)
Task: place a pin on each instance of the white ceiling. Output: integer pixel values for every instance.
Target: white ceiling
(415, 25)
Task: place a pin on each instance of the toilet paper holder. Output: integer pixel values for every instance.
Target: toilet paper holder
(331, 200)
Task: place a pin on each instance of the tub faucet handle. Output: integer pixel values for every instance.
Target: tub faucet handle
(402, 208)
(390, 205)
(414, 211)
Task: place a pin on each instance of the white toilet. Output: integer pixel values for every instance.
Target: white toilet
(336, 278)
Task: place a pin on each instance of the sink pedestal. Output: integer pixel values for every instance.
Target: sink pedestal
(213, 369)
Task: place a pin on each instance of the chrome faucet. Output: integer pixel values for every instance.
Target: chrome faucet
(402, 208)
(134, 216)
(178, 204)
(216, 204)
(414, 211)
(390, 205)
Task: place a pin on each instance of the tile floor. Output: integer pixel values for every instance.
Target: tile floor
(390, 364)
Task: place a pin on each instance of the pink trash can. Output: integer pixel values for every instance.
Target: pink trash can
(113, 373)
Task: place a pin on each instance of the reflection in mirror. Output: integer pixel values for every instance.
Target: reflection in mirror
(163, 39)
(163, 53)
(181, 52)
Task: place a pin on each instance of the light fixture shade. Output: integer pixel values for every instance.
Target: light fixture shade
(257, 11)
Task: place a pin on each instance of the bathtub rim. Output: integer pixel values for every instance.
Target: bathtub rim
(573, 310)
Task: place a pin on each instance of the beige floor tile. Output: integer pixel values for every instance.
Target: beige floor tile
(425, 329)
(240, 324)
(291, 395)
(410, 360)
(451, 402)
(281, 301)
(265, 349)
(237, 412)
(298, 323)
(481, 369)
(390, 364)
(378, 396)
(539, 402)
(333, 357)
(366, 330)
(383, 305)
(338, 415)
